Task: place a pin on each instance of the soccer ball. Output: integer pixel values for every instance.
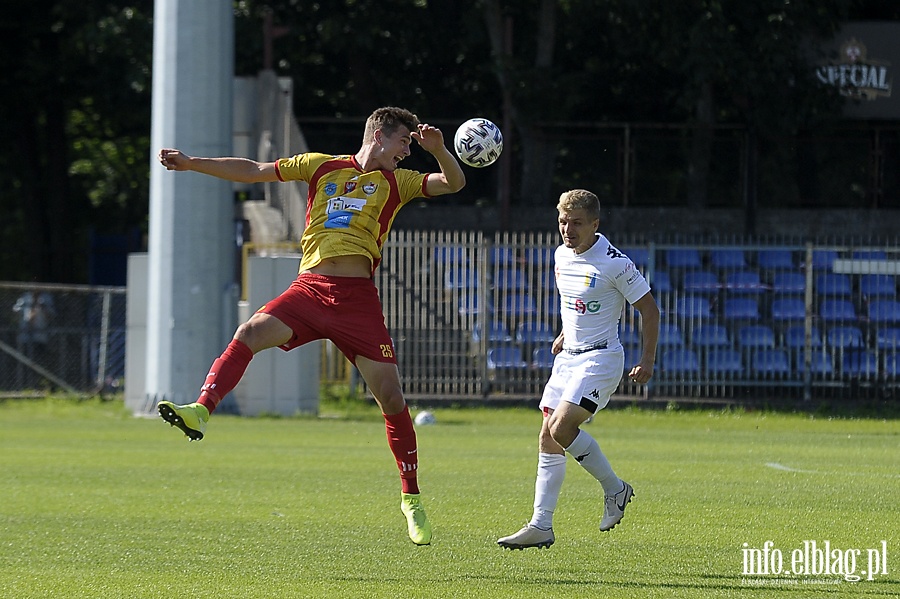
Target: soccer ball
(478, 142)
(424, 418)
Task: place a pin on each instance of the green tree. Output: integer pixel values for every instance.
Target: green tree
(76, 110)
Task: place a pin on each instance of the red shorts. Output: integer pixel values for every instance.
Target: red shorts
(345, 310)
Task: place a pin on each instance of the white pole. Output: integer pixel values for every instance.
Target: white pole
(191, 216)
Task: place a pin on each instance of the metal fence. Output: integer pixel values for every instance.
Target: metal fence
(473, 316)
(61, 337)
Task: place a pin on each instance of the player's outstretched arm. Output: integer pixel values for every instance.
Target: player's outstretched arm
(451, 178)
(242, 170)
(649, 312)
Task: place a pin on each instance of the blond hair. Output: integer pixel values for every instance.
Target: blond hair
(580, 199)
(389, 119)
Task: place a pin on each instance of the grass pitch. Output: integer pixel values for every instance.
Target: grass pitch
(96, 503)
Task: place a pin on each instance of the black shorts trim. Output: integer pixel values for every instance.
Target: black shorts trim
(589, 404)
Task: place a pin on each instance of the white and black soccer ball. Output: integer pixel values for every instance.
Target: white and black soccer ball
(478, 142)
(425, 418)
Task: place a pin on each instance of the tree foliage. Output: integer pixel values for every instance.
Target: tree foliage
(76, 107)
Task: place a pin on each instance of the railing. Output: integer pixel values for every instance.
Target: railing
(473, 315)
(61, 337)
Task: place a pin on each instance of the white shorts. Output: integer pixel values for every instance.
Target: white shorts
(587, 380)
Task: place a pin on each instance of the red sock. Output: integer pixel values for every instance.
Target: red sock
(224, 374)
(402, 441)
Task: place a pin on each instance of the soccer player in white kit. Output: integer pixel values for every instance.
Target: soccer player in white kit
(594, 281)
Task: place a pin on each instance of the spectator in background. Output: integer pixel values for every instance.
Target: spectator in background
(35, 313)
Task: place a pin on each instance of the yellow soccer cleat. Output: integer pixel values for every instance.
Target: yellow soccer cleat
(190, 418)
(416, 520)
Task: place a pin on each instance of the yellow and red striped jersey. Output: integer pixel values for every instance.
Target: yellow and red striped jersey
(348, 211)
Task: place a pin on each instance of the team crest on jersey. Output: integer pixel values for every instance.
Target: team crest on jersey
(349, 186)
(370, 188)
(330, 189)
(590, 279)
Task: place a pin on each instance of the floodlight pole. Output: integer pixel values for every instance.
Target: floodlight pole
(191, 243)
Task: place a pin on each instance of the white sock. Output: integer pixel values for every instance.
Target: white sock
(587, 452)
(550, 475)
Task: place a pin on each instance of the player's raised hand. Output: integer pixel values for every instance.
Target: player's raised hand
(174, 160)
(430, 138)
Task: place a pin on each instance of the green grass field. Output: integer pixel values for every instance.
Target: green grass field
(96, 503)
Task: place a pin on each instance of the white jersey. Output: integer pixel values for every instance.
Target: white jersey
(593, 287)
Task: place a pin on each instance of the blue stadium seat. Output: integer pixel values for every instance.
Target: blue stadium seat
(670, 335)
(640, 256)
(821, 364)
(505, 357)
(632, 356)
(869, 255)
(683, 258)
(516, 305)
(469, 303)
(860, 363)
(550, 305)
(724, 361)
(833, 310)
(740, 308)
(504, 256)
(758, 335)
(770, 363)
(693, 307)
(497, 332)
(891, 365)
(834, 284)
(872, 286)
(795, 337)
(884, 311)
(786, 309)
(775, 259)
(542, 357)
(789, 283)
(660, 283)
(824, 259)
(731, 258)
(528, 332)
(460, 277)
(845, 337)
(629, 335)
(451, 254)
(707, 336)
(700, 281)
(540, 256)
(888, 338)
(744, 282)
(680, 360)
(510, 278)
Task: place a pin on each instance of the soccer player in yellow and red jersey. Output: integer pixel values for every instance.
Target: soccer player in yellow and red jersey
(351, 205)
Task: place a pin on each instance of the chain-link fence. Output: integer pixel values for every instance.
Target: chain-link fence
(61, 337)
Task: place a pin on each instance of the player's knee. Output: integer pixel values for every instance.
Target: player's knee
(562, 432)
(244, 333)
(391, 403)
